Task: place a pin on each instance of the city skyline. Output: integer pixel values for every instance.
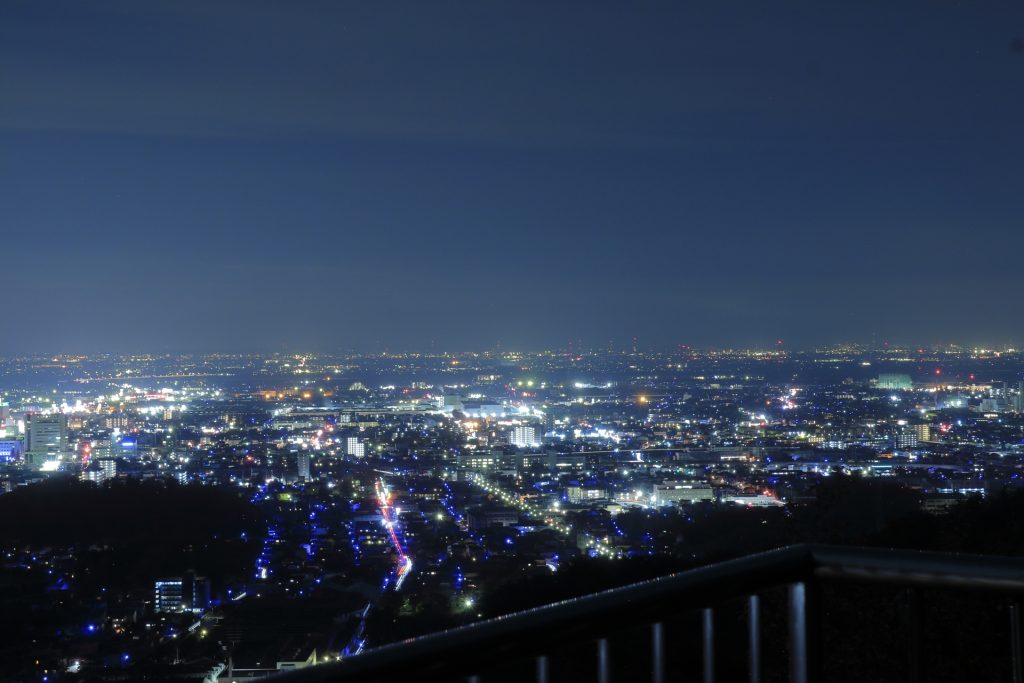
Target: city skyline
(625, 345)
(231, 516)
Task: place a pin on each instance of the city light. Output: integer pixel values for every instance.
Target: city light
(541, 483)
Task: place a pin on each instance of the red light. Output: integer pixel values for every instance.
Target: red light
(972, 375)
(938, 372)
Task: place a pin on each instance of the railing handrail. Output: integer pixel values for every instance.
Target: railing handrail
(919, 568)
(529, 632)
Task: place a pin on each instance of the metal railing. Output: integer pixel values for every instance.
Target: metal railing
(478, 651)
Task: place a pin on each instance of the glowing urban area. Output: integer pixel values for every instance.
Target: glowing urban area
(226, 517)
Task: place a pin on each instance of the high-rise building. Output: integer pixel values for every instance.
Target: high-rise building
(924, 432)
(355, 447)
(304, 465)
(100, 471)
(46, 438)
(109, 467)
(189, 593)
(906, 438)
(523, 436)
(117, 421)
(992, 404)
(167, 596)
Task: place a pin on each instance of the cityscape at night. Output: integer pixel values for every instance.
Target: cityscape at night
(506, 341)
(231, 516)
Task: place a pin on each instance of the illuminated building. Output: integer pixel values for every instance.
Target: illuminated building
(924, 432)
(477, 460)
(100, 471)
(10, 450)
(189, 593)
(894, 381)
(304, 465)
(355, 447)
(167, 596)
(117, 421)
(449, 402)
(556, 461)
(582, 494)
(46, 438)
(124, 447)
(109, 467)
(753, 500)
(672, 492)
(523, 436)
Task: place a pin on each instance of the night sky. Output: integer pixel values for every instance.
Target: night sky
(262, 176)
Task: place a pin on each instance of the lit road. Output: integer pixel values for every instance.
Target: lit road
(403, 562)
(601, 547)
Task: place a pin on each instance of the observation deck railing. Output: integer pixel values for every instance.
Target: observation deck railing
(774, 608)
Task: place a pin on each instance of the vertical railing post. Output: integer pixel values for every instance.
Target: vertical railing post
(915, 637)
(798, 633)
(815, 631)
(708, 641)
(1017, 660)
(754, 638)
(603, 669)
(542, 669)
(657, 653)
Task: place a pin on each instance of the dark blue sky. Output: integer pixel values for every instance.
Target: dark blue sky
(303, 175)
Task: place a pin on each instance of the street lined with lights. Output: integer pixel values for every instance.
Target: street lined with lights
(600, 546)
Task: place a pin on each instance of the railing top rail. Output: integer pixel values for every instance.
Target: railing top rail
(922, 568)
(532, 628)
